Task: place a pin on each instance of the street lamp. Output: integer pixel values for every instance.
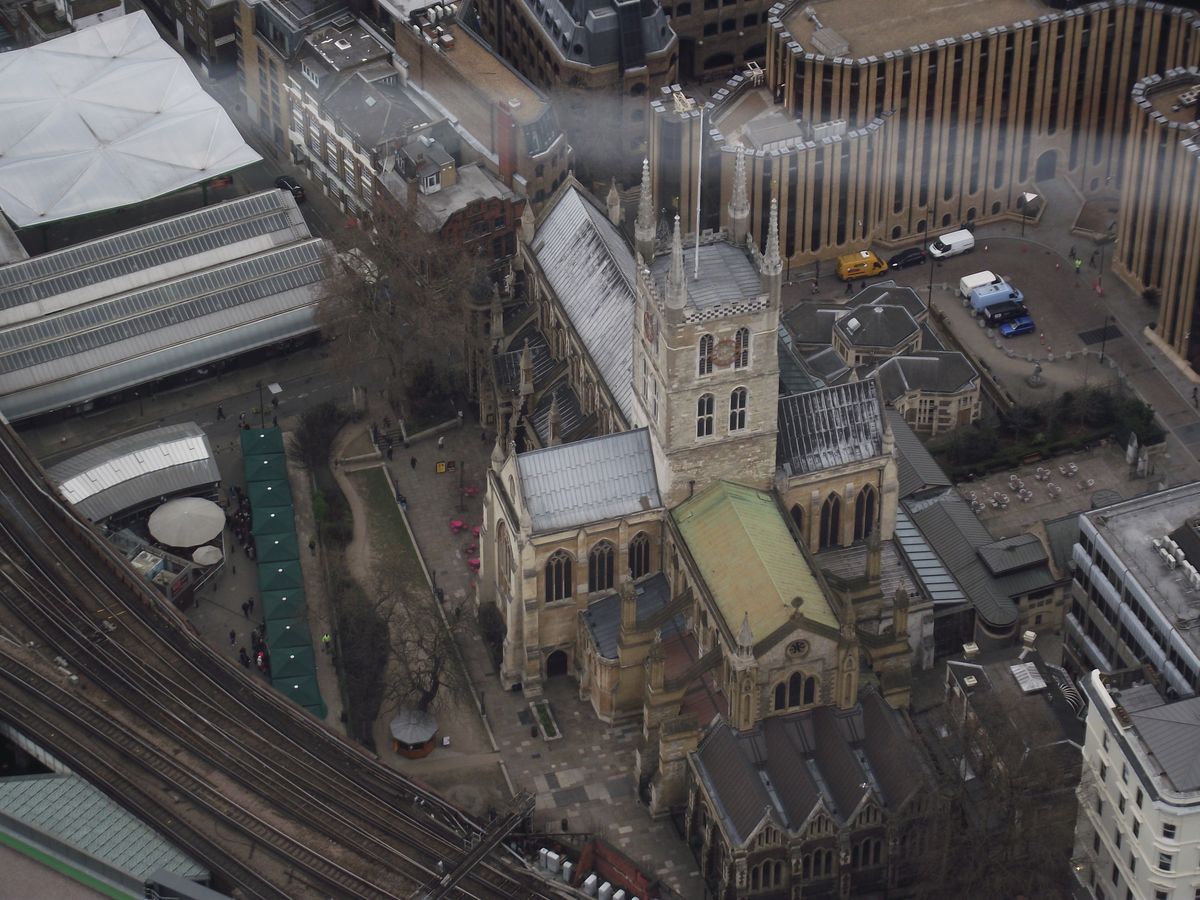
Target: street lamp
(1026, 198)
(1104, 336)
(262, 412)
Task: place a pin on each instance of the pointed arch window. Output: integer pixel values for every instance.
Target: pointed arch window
(741, 348)
(600, 567)
(781, 696)
(864, 513)
(831, 521)
(639, 555)
(504, 558)
(704, 415)
(737, 409)
(798, 518)
(705, 356)
(810, 690)
(794, 684)
(558, 576)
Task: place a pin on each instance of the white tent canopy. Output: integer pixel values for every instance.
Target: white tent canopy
(103, 118)
(186, 522)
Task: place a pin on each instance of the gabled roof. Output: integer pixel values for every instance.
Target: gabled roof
(591, 269)
(876, 326)
(943, 372)
(1013, 554)
(103, 118)
(588, 481)
(570, 414)
(829, 427)
(916, 468)
(935, 578)
(787, 766)
(748, 558)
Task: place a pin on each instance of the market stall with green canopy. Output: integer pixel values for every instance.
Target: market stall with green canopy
(292, 662)
(283, 604)
(257, 441)
(302, 690)
(266, 467)
(284, 634)
(280, 576)
(280, 520)
(276, 548)
(269, 494)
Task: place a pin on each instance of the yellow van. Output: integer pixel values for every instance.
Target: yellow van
(862, 264)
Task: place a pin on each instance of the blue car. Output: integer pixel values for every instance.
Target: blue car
(1019, 325)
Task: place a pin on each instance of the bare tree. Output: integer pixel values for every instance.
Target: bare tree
(425, 662)
(1009, 831)
(395, 302)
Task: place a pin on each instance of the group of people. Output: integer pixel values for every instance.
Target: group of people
(237, 518)
(258, 652)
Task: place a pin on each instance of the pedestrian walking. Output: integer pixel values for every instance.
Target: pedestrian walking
(849, 288)
(232, 638)
(241, 419)
(274, 403)
(1078, 266)
(312, 547)
(1072, 253)
(245, 610)
(460, 418)
(244, 657)
(441, 442)
(403, 503)
(274, 421)
(220, 412)
(483, 437)
(250, 603)
(1092, 261)
(390, 449)
(413, 462)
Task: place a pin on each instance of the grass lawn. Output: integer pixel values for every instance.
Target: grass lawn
(389, 539)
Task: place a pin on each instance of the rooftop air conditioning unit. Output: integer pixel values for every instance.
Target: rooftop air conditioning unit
(970, 681)
(970, 650)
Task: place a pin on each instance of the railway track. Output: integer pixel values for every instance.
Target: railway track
(389, 831)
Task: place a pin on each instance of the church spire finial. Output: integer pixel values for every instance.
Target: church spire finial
(772, 264)
(645, 227)
(676, 282)
(739, 203)
(745, 637)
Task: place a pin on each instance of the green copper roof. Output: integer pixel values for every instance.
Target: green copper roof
(748, 558)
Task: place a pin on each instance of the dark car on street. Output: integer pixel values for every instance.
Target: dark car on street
(913, 256)
(1005, 311)
(288, 183)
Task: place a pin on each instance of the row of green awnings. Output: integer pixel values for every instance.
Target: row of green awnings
(280, 581)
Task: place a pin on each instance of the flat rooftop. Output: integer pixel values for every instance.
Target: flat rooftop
(1129, 528)
(1174, 97)
(873, 27)
(491, 76)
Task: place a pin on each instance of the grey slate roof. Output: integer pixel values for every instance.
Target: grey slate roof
(877, 326)
(603, 618)
(849, 562)
(507, 366)
(588, 481)
(130, 471)
(74, 812)
(889, 293)
(1171, 732)
(1013, 553)
(812, 323)
(935, 578)
(929, 340)
(591, 269)
(786, 765)
(570, 414)
(827, 365)
(794, 378)
(916, 468)
(956, 534)
(829, 427)
(944, 372)
(726, 275)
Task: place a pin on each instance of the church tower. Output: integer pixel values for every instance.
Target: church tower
(705, 360)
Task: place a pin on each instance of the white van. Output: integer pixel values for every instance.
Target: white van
(976, 280)
(952, 244)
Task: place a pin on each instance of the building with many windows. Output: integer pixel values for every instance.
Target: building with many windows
(204, 28)
(1133, 612)
(1138, 832)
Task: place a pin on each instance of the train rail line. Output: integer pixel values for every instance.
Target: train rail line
(387, 836)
